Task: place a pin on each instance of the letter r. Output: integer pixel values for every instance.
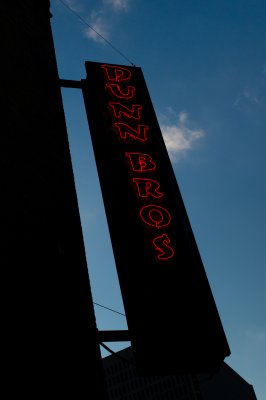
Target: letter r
(148, 187)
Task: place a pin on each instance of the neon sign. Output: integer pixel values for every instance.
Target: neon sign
(141, 162)
(120, 110)
(153, 215)
(164, 287)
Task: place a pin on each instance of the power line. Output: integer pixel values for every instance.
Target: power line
(110, 309)
(102, 37)
(117, 355)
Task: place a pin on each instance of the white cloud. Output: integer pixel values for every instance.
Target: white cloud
(73, 4)
(251, 97)
(100, 19)
(179, 137)
(118, 5)
(100, 27)
(244, 97)
(183, 117)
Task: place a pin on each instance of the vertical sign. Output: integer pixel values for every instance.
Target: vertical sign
(170, 310)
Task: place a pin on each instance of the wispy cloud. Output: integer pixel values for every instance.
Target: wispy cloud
(246, 96)
(100, 18)
(179, 137)
(74, 5)
(118, 5)
(100, 27)
(258, 336)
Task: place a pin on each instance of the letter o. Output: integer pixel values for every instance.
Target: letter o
(155, 216)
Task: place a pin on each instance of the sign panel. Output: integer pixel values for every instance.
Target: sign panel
(170, 310)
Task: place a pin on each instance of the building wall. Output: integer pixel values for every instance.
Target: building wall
(124, 382)
(48, 330)
(227, 384)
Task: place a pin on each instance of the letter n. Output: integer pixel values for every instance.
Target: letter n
(120, 110)
(126, 131)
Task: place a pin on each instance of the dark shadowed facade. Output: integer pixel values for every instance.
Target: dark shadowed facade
(124, 383)
(48, 330)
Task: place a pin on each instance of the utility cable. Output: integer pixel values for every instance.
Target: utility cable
(94, 30)
(110, 309)
(117, 355)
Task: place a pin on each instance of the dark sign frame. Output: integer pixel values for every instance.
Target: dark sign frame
(170, 310)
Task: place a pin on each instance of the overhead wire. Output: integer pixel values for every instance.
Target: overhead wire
(94, 30)
(128, 60)
(116, 354)
(108, 348)
(110, 309)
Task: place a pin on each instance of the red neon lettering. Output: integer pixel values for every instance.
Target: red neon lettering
(120, 110)
(116, 73)
(141, 162)
(138, 134)
(154, 215)
(162, 245)
(115, 90)
(148, 187)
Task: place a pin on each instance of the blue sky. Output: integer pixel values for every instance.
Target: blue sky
(205, 67)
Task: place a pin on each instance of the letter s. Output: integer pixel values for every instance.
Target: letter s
(162, 246)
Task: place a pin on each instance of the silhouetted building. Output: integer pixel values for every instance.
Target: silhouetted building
(48, 330)
(124, 383)
(227, 384)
